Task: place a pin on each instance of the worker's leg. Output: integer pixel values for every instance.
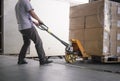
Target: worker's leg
(25, 46)
(38, 44)
(39, 47)
(33, 35)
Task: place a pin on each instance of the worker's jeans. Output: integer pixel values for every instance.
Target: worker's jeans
(31, 34)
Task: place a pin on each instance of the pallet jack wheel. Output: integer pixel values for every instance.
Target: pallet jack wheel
(70, 58)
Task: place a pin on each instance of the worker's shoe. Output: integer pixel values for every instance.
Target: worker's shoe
(22, 62)
(45, 62)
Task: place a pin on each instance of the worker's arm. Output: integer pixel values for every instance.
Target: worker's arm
(33, 14)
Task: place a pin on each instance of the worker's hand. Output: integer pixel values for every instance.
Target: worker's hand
(40, 22)
(36, 23)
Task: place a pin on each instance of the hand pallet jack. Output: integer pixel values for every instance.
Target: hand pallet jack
(72, 50)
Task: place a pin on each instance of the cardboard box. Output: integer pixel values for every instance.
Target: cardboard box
(118, 48)
(115, 23)
(77, 34)
(101, 32)
(77, 23)
(94, 21)
(93, 34)
(114, 14)
(115, 48)
(86, 9)
(115, 34)
(94, 47)
(115, 8)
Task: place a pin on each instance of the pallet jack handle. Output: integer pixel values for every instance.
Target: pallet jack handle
(46, 28)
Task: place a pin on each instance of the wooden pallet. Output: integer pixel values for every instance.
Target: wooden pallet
(111, 59)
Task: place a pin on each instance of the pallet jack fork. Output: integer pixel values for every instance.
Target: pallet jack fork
(80, 47)
(78, 51)
(72, 50)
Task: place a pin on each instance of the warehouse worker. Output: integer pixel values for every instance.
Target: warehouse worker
(24, 12)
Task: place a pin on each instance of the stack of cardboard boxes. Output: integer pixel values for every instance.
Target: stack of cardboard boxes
(97, 26)
(115, 28)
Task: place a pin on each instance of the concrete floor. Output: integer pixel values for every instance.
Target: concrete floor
(105, 67)
(10, 71)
